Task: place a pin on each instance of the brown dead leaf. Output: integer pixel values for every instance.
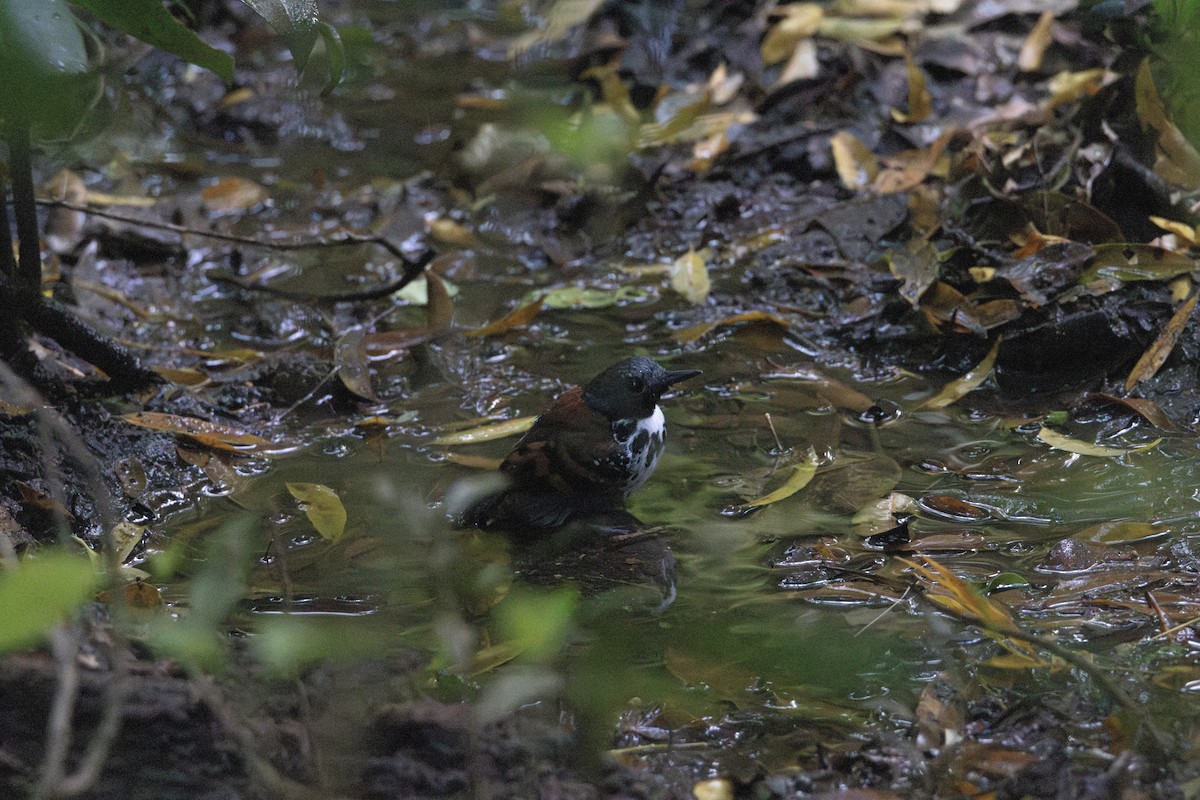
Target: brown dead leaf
(1147, 409)
(694, 332)
(1156, 355)
(350, 355)
(210, 434)
(516, 319)
(439, 313)
(233, 195)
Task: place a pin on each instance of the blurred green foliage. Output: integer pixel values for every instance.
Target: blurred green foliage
(1175, 31)
(41, 593)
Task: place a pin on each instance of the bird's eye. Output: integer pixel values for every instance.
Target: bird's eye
(636, 385)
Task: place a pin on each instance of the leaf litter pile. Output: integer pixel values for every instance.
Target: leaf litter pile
(927, 529)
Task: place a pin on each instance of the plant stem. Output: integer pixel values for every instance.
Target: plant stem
(20, 161)
(8, 261)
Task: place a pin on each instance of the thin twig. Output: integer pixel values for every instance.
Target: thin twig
(412, 267)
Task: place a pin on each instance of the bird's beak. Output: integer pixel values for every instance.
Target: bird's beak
(675, 376)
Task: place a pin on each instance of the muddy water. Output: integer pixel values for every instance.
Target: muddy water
(789, 610)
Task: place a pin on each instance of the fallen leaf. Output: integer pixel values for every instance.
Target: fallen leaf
(202, 431)
(969, 382)
(802, 475)
(350, 355)
(486, 433)
(517, 319)
(447, 231)
(233, 195)
(323, 508)
(1080, 447)
(856, 165)
(694, 332)
(1156, 354)
(1178, 160)
(1122, 531)
(920, 102)
(1033, 50)
(1147, 409)
(689, 277)
(797, 21)
(439, 313)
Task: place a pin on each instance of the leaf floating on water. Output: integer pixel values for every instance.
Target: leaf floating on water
(1080, 447)
(517, 319)
(210, 434)
(1156, 354)
(689, 276)
(802, 475)
(323, 508)
(694, 332)
(350, 355)
(486, 433)
(956, 389)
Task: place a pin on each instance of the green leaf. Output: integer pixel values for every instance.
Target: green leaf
(41, 593)
(298, 23)
(45, 80)
(149, 21)
(323, 508)
(535, 623)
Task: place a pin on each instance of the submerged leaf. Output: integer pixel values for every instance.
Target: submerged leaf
(1080, 447)
(486, 433)
(517, 319)
(802, 475)
(323, 508)
(956, 389)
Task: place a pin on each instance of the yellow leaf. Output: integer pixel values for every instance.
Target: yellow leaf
(799, 21)
(1180, 229)
(1156, 354)
(954, 390)
(450, 232)
(323, 508)
(486, 433)
(856, 165)
(920, 102)
(1080, 447)
(801, 475)
(689, 277)
(1034, 48)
